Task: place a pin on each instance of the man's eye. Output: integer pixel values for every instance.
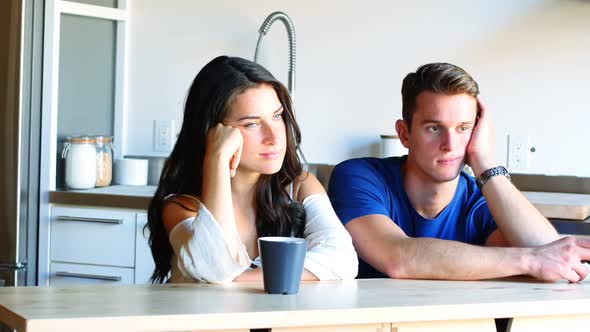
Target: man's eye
(434, 129)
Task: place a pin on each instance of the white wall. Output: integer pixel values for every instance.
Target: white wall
(530, 57)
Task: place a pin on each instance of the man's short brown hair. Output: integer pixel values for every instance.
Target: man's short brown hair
(435, 77)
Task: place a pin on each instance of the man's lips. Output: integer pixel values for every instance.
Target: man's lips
(452, 160)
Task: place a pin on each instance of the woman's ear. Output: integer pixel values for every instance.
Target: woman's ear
(401, 127)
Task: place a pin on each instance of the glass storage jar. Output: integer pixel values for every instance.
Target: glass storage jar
(104, 160)
(80, 155)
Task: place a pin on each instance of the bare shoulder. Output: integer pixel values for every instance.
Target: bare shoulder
(305, 185)
(178, 208)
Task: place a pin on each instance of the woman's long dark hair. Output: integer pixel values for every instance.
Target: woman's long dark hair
(208, 103)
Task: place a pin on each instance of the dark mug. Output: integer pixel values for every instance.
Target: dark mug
(282, 263)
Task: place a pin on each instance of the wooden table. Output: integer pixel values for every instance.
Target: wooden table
(361, 305)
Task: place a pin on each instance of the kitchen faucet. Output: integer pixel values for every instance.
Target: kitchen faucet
(291, 35)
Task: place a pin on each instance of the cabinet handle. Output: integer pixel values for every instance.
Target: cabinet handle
(87, 276)
(14, 267)
(87, 219)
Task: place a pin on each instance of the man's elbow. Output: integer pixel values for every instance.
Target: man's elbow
(395, 270)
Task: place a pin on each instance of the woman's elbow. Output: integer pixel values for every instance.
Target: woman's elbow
(210, 278)
(350, 268)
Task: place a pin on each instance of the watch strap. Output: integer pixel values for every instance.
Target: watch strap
(488, 174)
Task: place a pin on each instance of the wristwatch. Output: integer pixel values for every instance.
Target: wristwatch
(486, 175)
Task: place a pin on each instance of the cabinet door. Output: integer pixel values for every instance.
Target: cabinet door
(144, 263)
(469, 325)
(80, 274)
(339, 328)
(550, 324)
(92, 236)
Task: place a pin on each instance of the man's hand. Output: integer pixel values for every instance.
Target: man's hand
(561, 259)
(480, 150)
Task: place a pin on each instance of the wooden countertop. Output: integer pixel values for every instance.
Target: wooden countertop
(117, 196)
(560, 205)
(174, 307)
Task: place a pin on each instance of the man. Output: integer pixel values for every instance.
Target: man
(419, 216)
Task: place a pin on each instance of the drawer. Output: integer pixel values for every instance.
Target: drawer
(79, 274)
(92, 236)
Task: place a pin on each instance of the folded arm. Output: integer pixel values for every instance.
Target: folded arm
(382, 244)
(330, 254)
(203, 251)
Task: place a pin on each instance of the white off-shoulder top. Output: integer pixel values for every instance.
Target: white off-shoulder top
(201, 251)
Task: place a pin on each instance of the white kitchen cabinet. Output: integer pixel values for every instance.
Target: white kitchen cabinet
(93, 236)
(144, 263)
(81, 274)
(91, 245)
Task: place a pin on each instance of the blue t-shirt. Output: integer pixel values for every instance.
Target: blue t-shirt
(365, 186)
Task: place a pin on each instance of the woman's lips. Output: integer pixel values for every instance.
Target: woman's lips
(271, 155)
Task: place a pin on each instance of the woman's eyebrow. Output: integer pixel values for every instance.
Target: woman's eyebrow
(256, 117)
(249, 117)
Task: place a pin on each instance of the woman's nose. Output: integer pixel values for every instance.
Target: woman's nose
(270, 134)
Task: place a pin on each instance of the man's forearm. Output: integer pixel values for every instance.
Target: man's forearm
(520, 222)
(428, 258)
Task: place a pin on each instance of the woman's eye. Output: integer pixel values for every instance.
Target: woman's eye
(251, 125)
(278, 116)
(464, 128)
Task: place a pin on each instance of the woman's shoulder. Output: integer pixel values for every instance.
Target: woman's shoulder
(178, 207)
(306, 185)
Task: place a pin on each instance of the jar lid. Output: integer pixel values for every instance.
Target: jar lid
(81, 139)
(104, 139)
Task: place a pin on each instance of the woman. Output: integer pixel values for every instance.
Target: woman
(233, 176)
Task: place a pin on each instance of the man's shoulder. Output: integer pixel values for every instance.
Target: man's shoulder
(367, 165)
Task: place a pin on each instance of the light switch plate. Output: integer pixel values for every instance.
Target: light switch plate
(519, 152)
(163, 135)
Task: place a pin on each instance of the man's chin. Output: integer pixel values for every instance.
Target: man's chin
(447, 177)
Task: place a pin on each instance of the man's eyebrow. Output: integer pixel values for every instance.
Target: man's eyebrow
(255, 117)
(439, 122)
(426, 121)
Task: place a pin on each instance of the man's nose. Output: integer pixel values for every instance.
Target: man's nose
(449, 141)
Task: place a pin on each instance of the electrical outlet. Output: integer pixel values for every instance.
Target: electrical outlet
(163, 135)
(519, 147)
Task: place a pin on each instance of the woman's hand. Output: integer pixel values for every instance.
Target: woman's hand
(224, 144)
(222, 153)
